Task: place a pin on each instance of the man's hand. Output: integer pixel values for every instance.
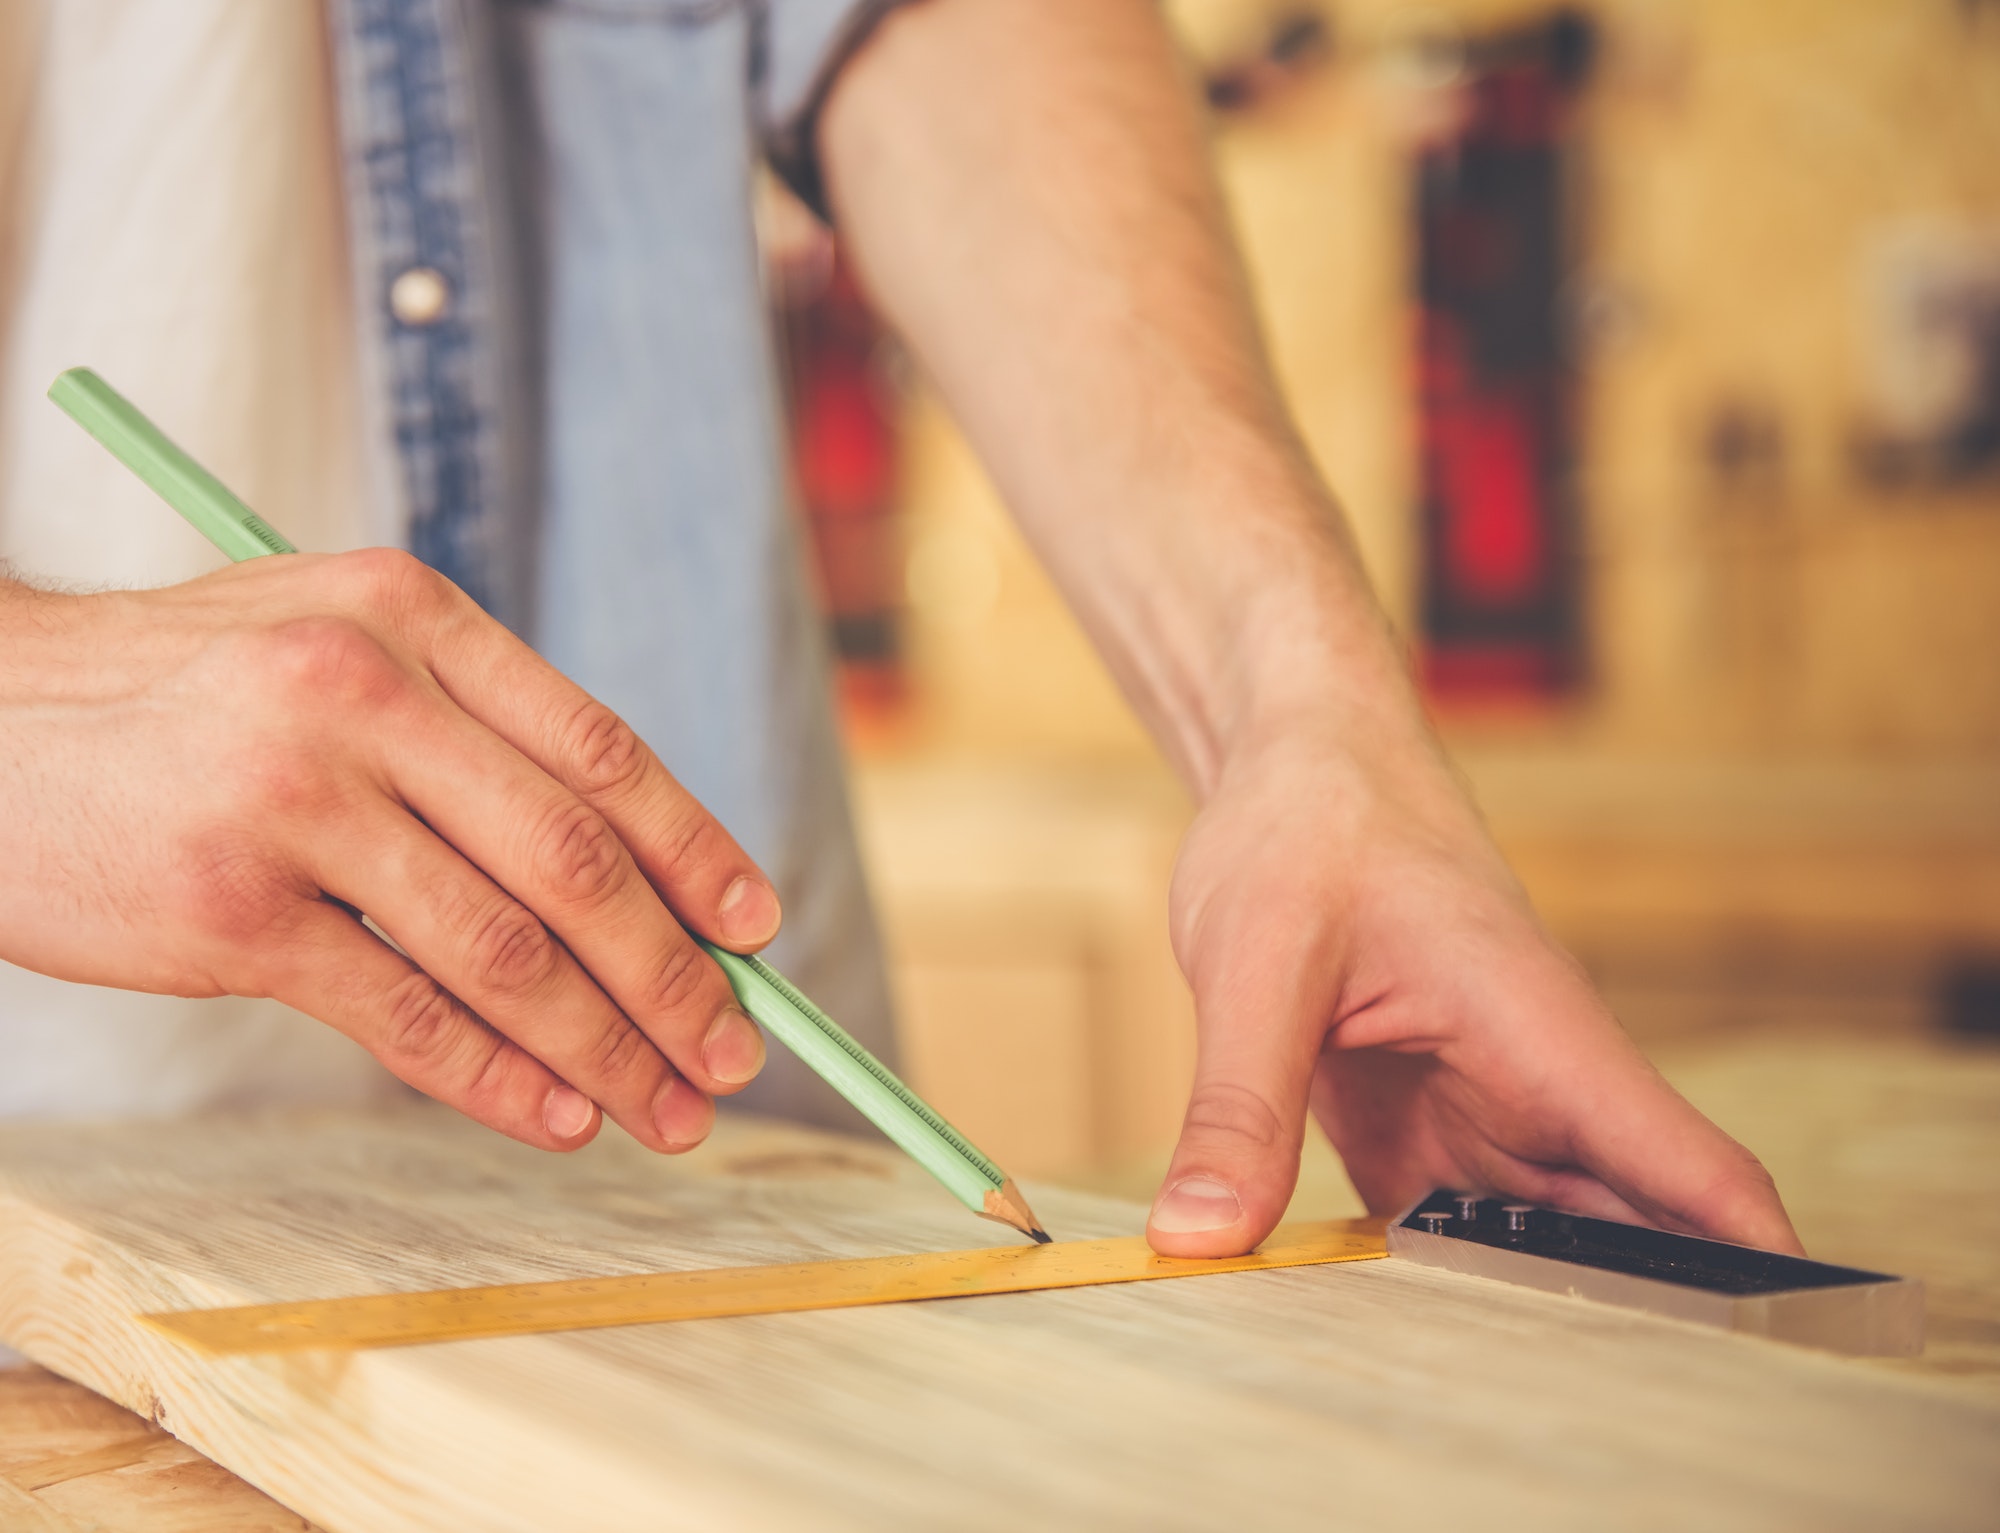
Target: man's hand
(204, 788)
(1361, 946)
(1024, 188)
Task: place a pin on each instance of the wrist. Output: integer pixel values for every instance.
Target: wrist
(1308, 681)
(54, 646)
(29, 617)
(1307, 652)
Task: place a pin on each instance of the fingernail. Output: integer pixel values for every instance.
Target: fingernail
(567, 1112)
(733, 1051)
(1198, 1203)
(749, 912)
(683, 1115)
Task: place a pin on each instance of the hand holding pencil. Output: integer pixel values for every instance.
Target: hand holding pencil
(274, 750)
(249, 759)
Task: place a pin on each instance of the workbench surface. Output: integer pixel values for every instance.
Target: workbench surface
(72, 1462)
(1402, 1396)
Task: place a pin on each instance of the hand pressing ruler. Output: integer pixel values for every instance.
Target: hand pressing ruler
(516, 1309)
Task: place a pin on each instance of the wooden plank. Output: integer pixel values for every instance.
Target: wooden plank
(72, 1462)
(1399, 1396)
(22, 1513)
(65, 1467)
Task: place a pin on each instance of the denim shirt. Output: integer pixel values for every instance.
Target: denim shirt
(578, 386)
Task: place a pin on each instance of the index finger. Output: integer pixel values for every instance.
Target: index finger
(709, 882)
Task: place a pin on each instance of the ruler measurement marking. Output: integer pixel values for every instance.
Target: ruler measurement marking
(378, 1320)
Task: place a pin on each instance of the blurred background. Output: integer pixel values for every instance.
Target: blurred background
(1654, 350)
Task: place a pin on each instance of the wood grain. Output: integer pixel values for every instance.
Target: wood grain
(1397, 1396)
(72, 1462)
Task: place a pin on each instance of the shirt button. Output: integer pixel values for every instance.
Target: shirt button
(420, 296)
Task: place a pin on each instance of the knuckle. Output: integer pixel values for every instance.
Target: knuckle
(1748, 1184)
(322, 660)
(1752, 1172)
(394, 585)
(685, 845)
(603, 753)
(1229, 1117)
(494, 1075)
(423, 1023)
(511, 952)
(580, 854)
(1737, 1200)
(236, 892)
(677, 982)
(621, 1052)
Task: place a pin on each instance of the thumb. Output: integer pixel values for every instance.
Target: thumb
(1238, 1157)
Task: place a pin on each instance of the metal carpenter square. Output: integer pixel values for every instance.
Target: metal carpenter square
(1767, 1293)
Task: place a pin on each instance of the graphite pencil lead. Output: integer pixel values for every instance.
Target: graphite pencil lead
(1007, 1206)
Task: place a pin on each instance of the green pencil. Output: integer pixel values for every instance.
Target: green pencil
(802, 1027)
(870, 1085)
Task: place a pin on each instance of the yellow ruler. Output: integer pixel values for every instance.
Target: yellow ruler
(515, 1309)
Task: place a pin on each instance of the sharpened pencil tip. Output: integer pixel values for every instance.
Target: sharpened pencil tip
(1007, 1206)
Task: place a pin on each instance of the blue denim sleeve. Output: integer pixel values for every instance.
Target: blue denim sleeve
(802, 45)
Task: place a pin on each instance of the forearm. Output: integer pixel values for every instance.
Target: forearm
(1025, 190)
(35, 661)
(1023, 185)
